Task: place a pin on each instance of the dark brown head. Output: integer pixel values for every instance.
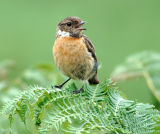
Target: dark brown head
(70, 26)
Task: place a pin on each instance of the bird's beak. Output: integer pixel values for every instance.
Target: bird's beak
(81, 23)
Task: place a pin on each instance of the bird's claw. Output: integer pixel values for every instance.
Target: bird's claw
(78, 91)
(56, 86)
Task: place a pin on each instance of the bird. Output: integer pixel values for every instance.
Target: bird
(74, 53)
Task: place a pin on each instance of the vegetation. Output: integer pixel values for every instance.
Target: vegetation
(145, 64)
(100, 109)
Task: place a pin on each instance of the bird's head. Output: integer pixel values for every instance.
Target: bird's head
(70, 26)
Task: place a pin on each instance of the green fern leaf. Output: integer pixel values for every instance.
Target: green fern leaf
(98, 109)
(147, 65)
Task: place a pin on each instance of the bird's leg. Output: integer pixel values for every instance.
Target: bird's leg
(61, 85)
(81, 90)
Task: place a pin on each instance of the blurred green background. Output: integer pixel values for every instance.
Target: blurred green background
(117, 29)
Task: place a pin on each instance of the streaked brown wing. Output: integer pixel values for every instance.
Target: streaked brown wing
(90, 47)
(94, 79)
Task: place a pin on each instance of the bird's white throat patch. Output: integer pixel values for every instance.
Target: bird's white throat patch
(63, 33)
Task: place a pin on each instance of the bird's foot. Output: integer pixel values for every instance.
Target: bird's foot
(61, 85)
(56, 86)
(78, 91)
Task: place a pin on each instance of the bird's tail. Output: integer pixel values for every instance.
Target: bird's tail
(94, 80)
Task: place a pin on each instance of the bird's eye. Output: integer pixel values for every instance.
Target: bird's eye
(69, 24)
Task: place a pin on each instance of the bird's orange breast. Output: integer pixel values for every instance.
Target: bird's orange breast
(72, 57)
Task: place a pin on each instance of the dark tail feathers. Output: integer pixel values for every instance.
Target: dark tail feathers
(94, 80)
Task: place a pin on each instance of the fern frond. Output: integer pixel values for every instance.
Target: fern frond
(99, 108)
(157, 128)
(147, 65)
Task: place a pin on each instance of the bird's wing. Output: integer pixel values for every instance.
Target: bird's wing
(90, 47)
(88, 43)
